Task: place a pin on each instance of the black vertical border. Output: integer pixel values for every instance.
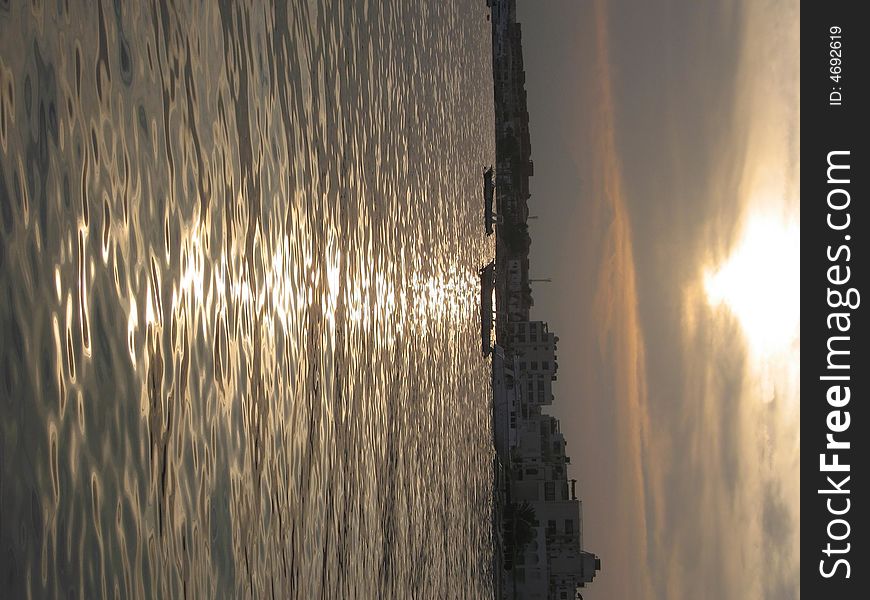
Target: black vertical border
(826, 128)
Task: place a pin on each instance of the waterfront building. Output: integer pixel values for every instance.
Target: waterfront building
(507, 399)
(519, 293)
(535, 347)
(554, 565)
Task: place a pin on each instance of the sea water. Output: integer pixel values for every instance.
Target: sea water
(239, 313)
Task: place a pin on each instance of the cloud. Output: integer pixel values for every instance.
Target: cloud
(699, 448)
(621, 348)
(686, 444)
(776, 518)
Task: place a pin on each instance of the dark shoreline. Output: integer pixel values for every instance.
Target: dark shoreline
(513, 168)
(537, 514)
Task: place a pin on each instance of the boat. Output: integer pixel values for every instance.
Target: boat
(487, 283)
(488, 197)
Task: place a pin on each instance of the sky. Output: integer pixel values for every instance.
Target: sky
(666, 142)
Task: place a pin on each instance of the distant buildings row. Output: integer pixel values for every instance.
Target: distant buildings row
(529, 442)
(514, 164)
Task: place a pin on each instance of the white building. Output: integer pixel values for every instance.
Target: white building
(507, 398)
(535, 348)
(554, 565)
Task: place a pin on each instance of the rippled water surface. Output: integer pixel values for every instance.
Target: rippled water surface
(238, 299)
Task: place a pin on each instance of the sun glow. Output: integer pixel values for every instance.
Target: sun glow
(760, 284)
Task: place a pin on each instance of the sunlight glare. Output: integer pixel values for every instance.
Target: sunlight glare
(760, 284)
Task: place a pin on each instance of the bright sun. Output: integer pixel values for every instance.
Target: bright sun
(760, 284)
